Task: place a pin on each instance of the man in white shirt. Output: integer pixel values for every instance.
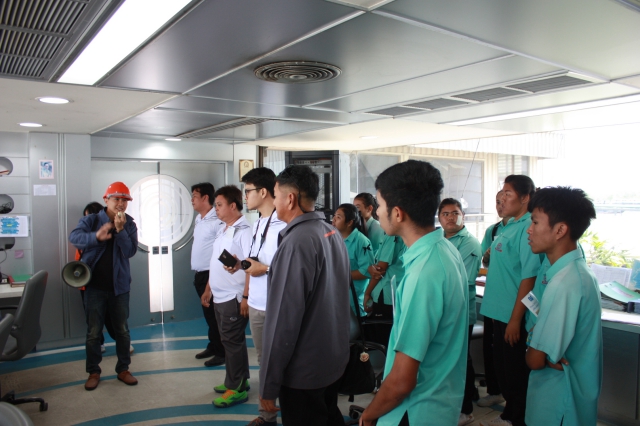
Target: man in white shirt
(259, 186)
(204, 234)
(227, 287)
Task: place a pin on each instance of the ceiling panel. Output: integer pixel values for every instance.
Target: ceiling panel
(371, 51)
(218, 36)
(600, 37)
(488, 73)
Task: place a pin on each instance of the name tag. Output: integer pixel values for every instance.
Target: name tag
(531, 302)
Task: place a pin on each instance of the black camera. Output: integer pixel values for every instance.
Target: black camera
(246, 264)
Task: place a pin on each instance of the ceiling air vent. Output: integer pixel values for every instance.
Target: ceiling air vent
(393, 111)
(437, 104)
(489, 94)
(297, 72)
(549, 84)
(231, 124)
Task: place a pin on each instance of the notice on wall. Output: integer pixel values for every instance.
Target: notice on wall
(44, 190)
(14, 226)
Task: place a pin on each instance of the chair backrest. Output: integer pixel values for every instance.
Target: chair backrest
(26, 325)
(5, 329)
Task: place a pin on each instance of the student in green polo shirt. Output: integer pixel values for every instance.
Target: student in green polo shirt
(367, 206)
(451, 218)
(348, 222)
(511, 275)
(426, 360)
(565, 351)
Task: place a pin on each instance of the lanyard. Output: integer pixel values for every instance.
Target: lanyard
(264, 234)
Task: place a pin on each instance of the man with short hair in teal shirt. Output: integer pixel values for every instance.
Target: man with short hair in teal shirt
(426, 360)
(565, 351)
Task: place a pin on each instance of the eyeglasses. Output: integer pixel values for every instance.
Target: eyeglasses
(247, 191)
(454, 214)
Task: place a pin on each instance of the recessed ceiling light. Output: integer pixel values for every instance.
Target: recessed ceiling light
(368, 137)
(173, 139)
(30, 124)
(53, 100)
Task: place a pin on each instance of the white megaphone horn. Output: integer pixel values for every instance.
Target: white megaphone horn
(76, 274)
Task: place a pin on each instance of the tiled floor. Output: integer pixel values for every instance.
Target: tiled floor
(174, 388)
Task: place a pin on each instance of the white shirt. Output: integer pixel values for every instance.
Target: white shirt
(258, 285)
(204, 233)
(236, 239)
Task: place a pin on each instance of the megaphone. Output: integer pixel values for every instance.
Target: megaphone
(76, 274)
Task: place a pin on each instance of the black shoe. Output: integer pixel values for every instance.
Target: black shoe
(207, 353)
(216, 360)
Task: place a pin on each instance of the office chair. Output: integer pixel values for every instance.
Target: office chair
(25, 330)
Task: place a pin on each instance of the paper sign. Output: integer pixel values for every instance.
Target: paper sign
(44, 190)
(605, 274)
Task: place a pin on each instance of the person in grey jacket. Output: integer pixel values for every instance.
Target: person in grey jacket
(107, 240)
(306, 329)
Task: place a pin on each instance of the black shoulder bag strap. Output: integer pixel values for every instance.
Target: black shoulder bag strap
(354, 295)
(494, 231)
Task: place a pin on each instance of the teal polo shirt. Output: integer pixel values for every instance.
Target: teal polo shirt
(488, 235)
(390, 251)
(375, 233)
(511, 262)
(360, 257)
(430, 326)
(568, 326)
(471, 254)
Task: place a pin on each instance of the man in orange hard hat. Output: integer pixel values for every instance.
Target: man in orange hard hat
(108, 239)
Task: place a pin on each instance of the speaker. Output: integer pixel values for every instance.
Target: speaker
(77, 274)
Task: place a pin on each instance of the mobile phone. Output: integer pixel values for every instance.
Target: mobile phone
(227, 259)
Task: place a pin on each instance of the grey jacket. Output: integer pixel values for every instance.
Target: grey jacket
(306, 328)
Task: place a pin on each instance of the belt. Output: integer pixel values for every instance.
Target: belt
(201, 272)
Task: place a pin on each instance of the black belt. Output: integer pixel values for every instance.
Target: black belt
(201, 272)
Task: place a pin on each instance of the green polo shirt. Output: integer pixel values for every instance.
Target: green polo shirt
(568, 326)
(471, 253)
(488, 235)
(375, 234)
(511, 262)
(430, 326)
(360, 257)
(390, 251)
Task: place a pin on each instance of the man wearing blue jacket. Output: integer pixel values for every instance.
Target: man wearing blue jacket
(107, 241)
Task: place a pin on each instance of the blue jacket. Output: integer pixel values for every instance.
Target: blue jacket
(124, 247)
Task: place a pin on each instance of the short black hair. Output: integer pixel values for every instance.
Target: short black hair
(232, 194)
(369, 200)
(93, 207)
(522, 184)
(413, 186)
(565, 204)
(204, 188)
(351, 213)
(449, 202)
(261, 177)
(303, 179)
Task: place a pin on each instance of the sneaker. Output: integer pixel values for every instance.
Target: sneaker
(222, 388)
(489, 400)
(498, 421)
(259, 421)
(130, 349)
(102, 349)
(231, 398)
(465, 419)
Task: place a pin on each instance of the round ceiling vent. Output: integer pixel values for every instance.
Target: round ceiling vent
(296, 72)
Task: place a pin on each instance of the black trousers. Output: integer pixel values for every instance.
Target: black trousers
(215, 345)
(512, 372)
(470, 382)
(310, 407)
(107, 321)
(493, 388)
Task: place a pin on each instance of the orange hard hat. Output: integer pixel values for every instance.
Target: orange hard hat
(118, 189)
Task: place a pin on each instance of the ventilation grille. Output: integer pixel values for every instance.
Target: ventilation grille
(393, 112)
(32, 31)
(437, 104)
(231, 124)
(549, 84)
(297, 72)
(489, 94)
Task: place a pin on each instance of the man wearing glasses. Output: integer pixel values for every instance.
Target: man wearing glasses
(204, 234)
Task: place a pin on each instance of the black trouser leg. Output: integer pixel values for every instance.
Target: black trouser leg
(493, 388)
(512, 372)
(232, 331)
(470, 382)
(215, 345)
(310, 407)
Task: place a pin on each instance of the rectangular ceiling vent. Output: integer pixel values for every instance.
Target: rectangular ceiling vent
(231, 124)
(393, 111)
(489, 94)
(437, 104)
(549, 84)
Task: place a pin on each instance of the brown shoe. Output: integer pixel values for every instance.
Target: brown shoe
(127, 378)
(92, 381)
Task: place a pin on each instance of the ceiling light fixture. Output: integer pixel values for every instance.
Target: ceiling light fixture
(132, 24)
(368, 137)
(53, 100)
(30, 124)
(173, 139)
(543, 111)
